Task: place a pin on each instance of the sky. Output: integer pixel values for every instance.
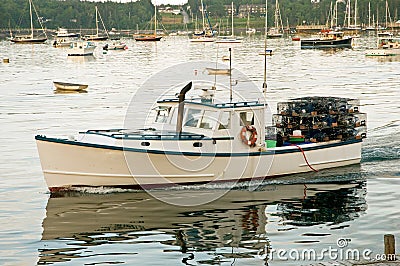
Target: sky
(157, 2)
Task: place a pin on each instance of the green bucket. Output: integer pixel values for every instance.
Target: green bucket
(270, 143)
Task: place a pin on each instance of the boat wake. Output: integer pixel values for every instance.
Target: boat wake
(382, 144)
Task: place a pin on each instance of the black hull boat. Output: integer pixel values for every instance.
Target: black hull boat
(327, 39)
(28, 40)
(318, 43)
(148, 39)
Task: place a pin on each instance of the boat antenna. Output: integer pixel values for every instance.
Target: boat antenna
(216, 67)
(230, 74)
(9, 25)
(265, 50)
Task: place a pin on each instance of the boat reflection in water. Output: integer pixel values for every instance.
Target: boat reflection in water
(135, 227)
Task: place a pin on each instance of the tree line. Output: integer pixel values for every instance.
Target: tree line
(77, 14)
(304, 11)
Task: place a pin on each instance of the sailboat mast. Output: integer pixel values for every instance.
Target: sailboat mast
(97, 22)
(355, 13)
(386, 14)
(155, 19)
(30, 12)
(265, 49)
(233, 32)
(331, 15)
(349, 14)
(336, 15)
(202, 13)
(369, 14)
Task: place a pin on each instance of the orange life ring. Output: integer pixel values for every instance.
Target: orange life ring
(251, 141)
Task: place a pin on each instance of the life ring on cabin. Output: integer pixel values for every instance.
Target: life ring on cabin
(251, 141)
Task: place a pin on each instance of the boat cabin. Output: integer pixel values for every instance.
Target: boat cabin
(331, 35)
(389, 42)
(241, 122)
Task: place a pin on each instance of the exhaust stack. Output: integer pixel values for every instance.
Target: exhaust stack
(181, 105)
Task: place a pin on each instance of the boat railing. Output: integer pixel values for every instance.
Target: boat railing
(159, 136)
(141, 135)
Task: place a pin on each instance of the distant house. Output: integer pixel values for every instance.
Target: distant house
(228, 9)
(254, 9)
(170, 10)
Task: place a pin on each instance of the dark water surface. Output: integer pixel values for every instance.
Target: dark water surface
(356, 205)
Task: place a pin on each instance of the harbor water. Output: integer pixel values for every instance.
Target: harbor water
(274, 223)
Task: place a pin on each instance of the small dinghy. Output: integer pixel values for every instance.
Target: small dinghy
(66, 86)
(218, 71)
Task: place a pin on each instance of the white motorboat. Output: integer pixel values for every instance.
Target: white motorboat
(115, 46)
(386, 46)
(64, 42)
(202, 39)
(200, 141)
(232, 38)
(81, 48)
(63, 33)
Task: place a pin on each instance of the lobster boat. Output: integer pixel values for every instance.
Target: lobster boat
(201, 140)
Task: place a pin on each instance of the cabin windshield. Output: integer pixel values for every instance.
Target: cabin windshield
(162, 114)
(209, 119)
(192, 117)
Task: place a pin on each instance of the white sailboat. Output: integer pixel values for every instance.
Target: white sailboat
(204, 35)
(277, 30)
(388, 20)
(97, 36)
(30, 38)
(232, 38)
(154, 37)
(249, 30)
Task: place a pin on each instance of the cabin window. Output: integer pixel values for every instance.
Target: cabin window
(192, 118)
(209, 119)
(162, 114)
(174, 112)
(225, 120)
(246, 118)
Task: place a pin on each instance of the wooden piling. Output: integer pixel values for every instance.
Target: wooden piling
(390, 247)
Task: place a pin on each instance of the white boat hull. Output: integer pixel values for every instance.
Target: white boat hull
(383, 52)
(71, 163)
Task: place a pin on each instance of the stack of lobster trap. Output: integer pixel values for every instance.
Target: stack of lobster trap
(319, 119)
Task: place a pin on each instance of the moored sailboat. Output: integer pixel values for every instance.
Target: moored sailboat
(154, 37)
(232, 38)
(97, 36)
(207, 33)
(30, 38)
(277, 30)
